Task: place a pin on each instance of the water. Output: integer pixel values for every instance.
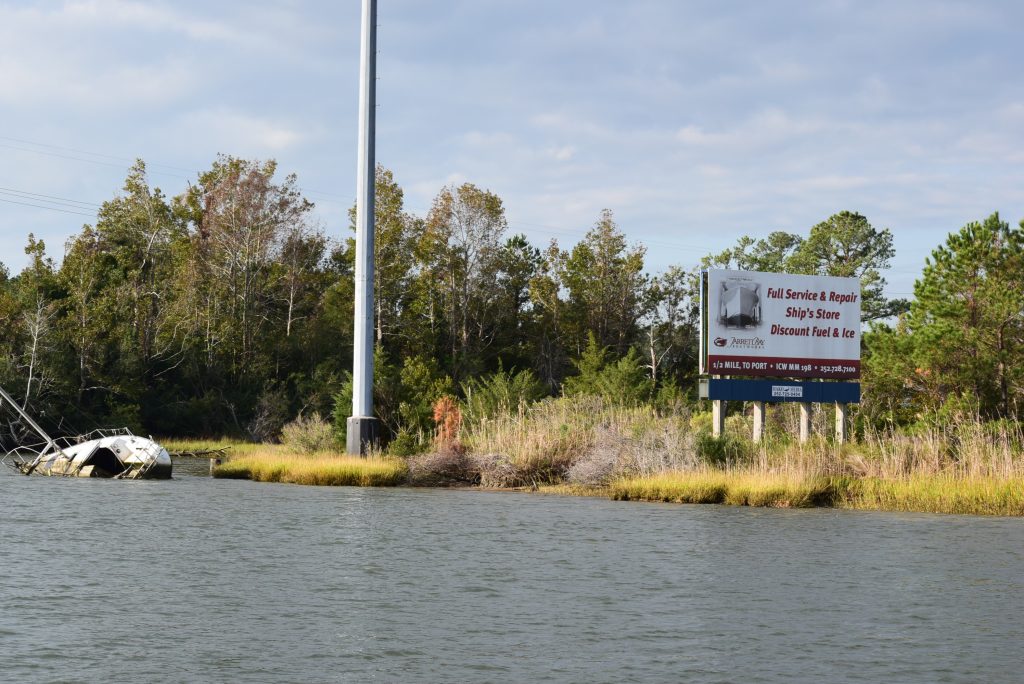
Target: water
(201, 580)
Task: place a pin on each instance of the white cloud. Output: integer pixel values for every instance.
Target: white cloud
(149, 16)
(237, 133)
(564, 153)
(695, 135)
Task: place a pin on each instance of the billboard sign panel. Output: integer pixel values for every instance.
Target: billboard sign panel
(776, 324)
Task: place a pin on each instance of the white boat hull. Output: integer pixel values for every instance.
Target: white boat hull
(116, 456)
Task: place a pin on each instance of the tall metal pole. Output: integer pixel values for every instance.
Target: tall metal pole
(362, 426)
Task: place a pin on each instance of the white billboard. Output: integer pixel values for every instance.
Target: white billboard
(776, 324)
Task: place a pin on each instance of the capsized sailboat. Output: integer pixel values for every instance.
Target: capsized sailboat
(114, 454)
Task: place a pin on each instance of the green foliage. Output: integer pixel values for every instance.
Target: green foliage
(422, 383)
(887, 395)
(462, 250)
(967, 319)
(604, 278)
(671, 321)
(589, 367)
(623, 381)
(226, 310)
(670, 397)
(309, 434)
(405, 444)
(342, 409)
(846, 245)
(500, 393)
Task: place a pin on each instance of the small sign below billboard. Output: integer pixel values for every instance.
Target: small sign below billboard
(787, 392)
(779, 391)
(777, 324)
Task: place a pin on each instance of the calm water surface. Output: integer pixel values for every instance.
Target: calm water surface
(201, 580)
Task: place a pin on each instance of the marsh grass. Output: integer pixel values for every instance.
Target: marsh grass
(732, 487)
(232, 447)
(584, 445)
(939, 494)
(323, 469)
(279, 463)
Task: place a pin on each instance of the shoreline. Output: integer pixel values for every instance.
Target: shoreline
(918, 493)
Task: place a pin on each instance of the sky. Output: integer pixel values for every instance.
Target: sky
(694, 122)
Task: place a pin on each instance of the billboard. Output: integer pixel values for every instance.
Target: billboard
(780, 325)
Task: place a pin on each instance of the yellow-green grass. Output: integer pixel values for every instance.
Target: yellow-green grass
(733, 487)
(915, 493)
(232, 448)
(324, 469)
(939, 494)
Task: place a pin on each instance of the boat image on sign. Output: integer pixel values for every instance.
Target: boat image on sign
(740, 304)
(116, 454)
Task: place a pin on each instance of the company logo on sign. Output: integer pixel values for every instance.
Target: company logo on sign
(746, 343)
(721, 341)
(788, 391)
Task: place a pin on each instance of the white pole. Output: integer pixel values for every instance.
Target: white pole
(717, 418)
(362, 425)
(840, 423)
(805, 422)
(758, 421)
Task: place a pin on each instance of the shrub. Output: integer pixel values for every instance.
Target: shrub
(342, 409)
(670, 398)
(623, 382)
(603, 461)
(309, 435)
(500, 394)
(405, 443)
(448, 419)
(270, 416)
(728, 449)
(421, 385)
(450, 465)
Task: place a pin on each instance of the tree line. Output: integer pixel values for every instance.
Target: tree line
(227, 310)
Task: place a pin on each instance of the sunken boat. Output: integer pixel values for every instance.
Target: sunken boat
(116, 454)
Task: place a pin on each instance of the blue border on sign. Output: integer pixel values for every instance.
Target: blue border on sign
(780, 390)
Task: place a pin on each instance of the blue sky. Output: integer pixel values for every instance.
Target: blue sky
(695, 122)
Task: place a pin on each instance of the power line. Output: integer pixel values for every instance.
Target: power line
(68, 156)
(40, 206)
(40, 197)
(149, 164)
(91, 154)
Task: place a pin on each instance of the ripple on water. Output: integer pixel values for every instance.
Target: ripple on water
(209, 580)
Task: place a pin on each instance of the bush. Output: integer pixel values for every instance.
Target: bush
(670, 398)
(448, 419)
(405, 443)
(270, 416)
(450, 465)
(309, 435)
(422, 384)
(720, 451)
(603, 461)
(500, 394)
(624, 382)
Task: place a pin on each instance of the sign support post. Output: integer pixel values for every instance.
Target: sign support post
(840, 422)
(758, 421)
(805, 422)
